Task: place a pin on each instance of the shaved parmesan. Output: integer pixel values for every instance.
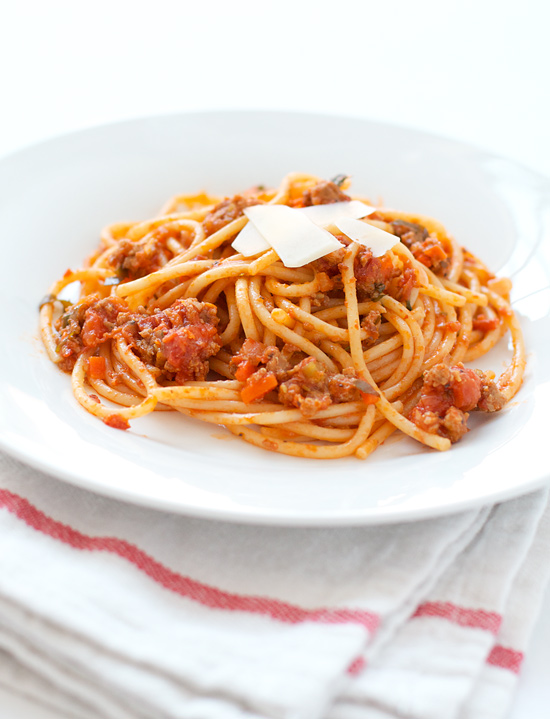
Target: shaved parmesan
(379, 241)
(293, 236)
(324, 215)
(249, 241)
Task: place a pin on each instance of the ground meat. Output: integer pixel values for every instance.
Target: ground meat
(431, 254)
(371, 324)
(86, 325)
(403, 285)
(409, 232)
(342, 388)
(254, 354)
(448, 394)
(458, 385)
(492, 399)
(178, 340)
(100, 320)
(311, 387)
(329, 264)
(426, 248)
(324, 193)
(454, 424)
(373, 274)
(137, 259)
(227, 211)
(69, 327)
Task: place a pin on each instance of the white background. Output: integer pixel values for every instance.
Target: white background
(475, 71)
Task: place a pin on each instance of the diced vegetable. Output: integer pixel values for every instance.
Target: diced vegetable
(368, 394)
(257, 387)
(244, 371)
(96, 367)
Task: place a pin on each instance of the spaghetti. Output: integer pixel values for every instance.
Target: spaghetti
(322, 360)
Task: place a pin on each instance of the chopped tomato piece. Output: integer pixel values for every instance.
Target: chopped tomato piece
(96, 367)
(117, 422)
(453, 326)
(484, 323)
(465, 388)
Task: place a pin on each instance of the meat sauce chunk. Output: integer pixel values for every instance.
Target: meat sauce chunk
(426, 248)
(132, 260)
(227, 211)
(409, 233)
(254, 355)
(448, 394)
(177, 341)
(373, 274)
(308, 386)
(323, 193)
(311, 387)
(371, 324)
(86, 325)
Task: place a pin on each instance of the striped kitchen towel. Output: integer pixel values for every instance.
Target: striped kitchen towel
(114, 611)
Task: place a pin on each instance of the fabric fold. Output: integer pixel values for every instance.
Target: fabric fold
(122, 612)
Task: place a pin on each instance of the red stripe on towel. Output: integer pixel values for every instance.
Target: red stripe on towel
(505, 658)
(474, 618)
(499, 656)
(357, 666)
(204, 594)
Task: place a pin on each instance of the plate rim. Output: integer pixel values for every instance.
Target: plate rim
(273, 517)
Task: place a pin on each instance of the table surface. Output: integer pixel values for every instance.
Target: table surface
(475, 72)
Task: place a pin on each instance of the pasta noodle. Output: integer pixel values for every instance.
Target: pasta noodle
(322, 360)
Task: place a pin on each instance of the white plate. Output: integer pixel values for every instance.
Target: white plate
(55, 198)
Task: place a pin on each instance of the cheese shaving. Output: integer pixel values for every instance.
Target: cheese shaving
(324, 215)
(377, 240)
(249, 241)
(293, 236)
